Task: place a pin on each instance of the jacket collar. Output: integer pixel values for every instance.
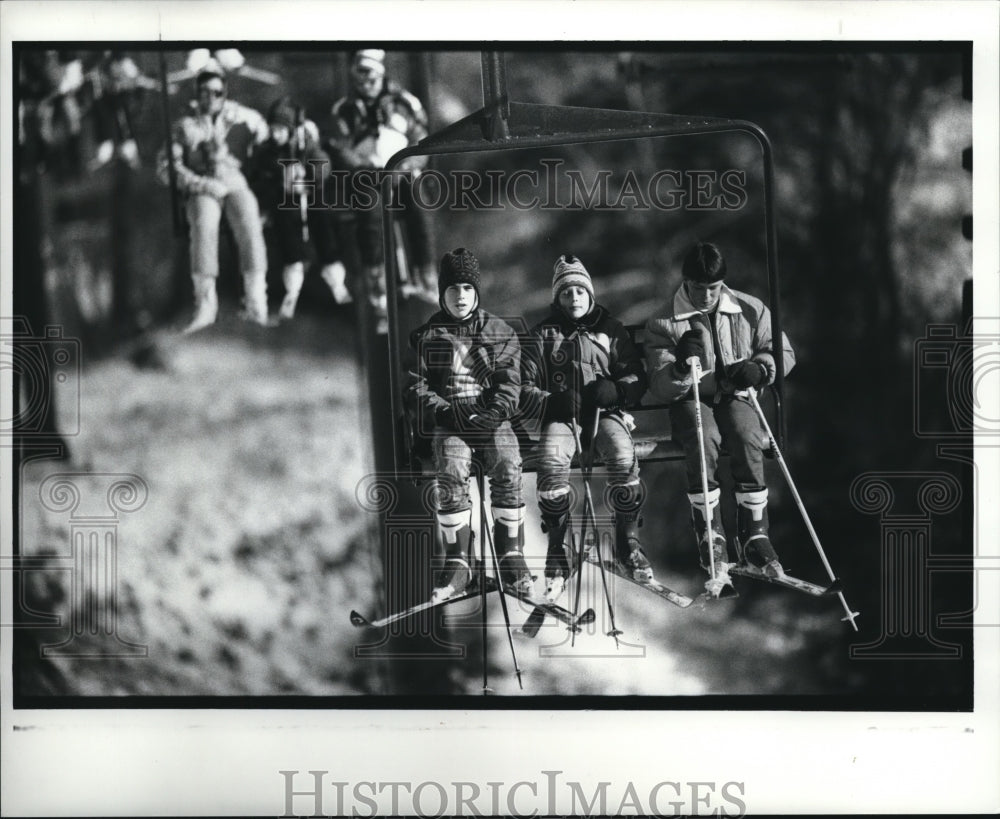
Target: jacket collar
(588, 323)
(683, 309)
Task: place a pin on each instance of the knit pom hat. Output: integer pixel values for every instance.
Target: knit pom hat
(569, 271)
(282, 112)
(458, 266)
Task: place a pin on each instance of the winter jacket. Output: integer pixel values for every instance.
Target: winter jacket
(476, 361)
(366, 134)
(269, 176)
(564, 354)
(743, 325)
(208, 151)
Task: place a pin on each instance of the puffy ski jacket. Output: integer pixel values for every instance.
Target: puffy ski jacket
(564, 354)
(207, 148)
(743, 324)
(476, 361)
(362, 129)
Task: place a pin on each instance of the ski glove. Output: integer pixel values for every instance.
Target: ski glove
(747, 373)
(604, 393)
(485, 420)
(689, 344)
(562, 406)
(445, 417)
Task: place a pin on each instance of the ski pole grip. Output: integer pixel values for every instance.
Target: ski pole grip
(694, 364)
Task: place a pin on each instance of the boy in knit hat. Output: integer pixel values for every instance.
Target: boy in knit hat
(464, 388)
(579, 363)
(730, 333)
(290, 155)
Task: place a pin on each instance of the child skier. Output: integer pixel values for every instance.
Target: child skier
(464, 388)
(730, 334)
(581, 362)
(289, 156)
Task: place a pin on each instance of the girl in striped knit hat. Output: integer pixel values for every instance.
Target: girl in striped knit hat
(580, 363)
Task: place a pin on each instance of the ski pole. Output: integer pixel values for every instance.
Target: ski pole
(802, 508)
(588, 503)
(580, 549)
(482, 595)
(496, 569)
(695, 364)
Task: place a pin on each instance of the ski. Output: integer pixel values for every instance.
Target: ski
(789, 582)
(726, 591)
(544, 607)
(360, 621)
(657, 588)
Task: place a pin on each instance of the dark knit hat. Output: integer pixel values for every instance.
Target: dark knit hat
(457, 267)
(568, 271)
(282, 112)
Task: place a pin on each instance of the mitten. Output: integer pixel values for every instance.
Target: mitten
(561, 406)
(487, 419)
(604, 393)
(690, 344)
(747, 373)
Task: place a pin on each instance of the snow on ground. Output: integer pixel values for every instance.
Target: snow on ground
(239, 571)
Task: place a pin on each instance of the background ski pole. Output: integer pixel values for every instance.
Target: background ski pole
(695, 364)
(802, 508)
(588, 508)
(496, 569)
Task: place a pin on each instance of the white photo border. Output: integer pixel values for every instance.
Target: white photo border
(201, 762)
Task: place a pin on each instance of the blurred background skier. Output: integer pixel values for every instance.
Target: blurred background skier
(289, 167)
(211, 144)
(374, 121)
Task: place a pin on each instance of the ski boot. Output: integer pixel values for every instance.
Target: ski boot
(255, 298)
(557, 564)
(719, 553)
(293, 275)
(628, 549)
(335, 276)
(206, 303)
(753, 544)
(508, 540)
(375, 279)
(455, 575)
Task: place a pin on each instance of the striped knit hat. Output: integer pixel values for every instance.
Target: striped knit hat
(568, 271)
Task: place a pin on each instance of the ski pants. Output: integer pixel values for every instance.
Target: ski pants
(287, 233)
(416, 223)
(240, 208)
(613, 444)
(733, 422)
(501, 458)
